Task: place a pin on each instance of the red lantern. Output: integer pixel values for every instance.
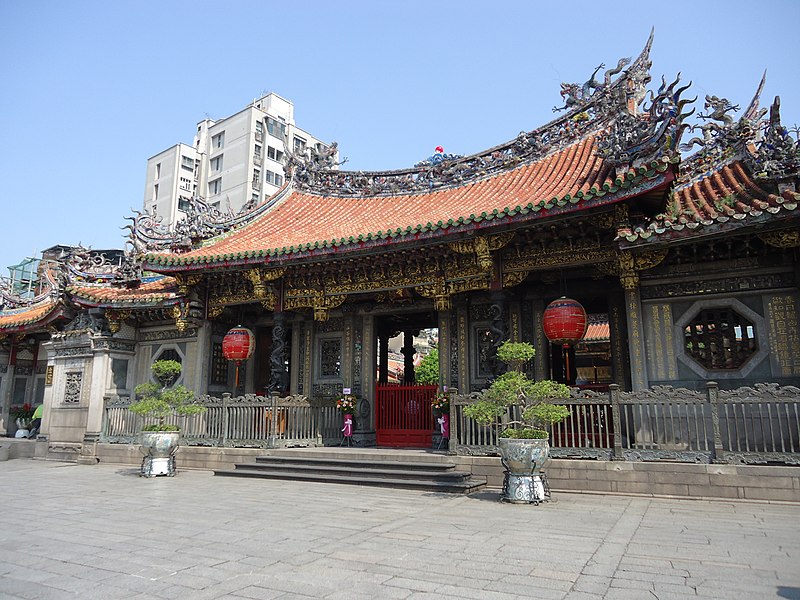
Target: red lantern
(238, 345)
(565, 321)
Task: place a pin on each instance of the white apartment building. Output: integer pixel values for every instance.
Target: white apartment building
(233, 161)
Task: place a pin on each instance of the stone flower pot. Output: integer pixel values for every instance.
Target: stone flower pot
(159, 448)
(523, 460)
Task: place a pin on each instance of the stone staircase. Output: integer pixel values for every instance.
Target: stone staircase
(418, 470)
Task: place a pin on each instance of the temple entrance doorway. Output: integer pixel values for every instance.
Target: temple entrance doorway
(403, 416)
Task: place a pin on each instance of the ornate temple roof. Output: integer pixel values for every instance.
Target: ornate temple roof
(611, 142)
(21, 320)
(569, 180)
(746, 173)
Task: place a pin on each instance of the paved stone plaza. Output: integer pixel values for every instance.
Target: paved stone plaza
(102, 532)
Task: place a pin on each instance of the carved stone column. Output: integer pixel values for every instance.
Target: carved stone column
(463, 349)
(368, 360)
(499, 328)
(617, 332)
(633, 312)
(444, 347)
(6, 379)
(347, 353)
(541, 362)
(279, 378)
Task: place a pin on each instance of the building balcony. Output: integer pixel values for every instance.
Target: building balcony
(258, 160)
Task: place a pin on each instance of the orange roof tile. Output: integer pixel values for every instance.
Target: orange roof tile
(722, 198)
(27, 318)
(597, 332)
(569, 179)
(151, 291)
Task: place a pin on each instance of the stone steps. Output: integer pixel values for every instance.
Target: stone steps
(423, 472)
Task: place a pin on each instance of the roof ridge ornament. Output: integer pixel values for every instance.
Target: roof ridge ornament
(634, 138)
(202, 221)
(766, 146)
(777, 153)
(595, 105)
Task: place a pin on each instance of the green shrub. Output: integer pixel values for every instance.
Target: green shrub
(515, 388)
(159, 400)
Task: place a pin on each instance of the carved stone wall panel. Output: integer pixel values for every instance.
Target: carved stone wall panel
(662, 364)
(635, 339)
(72, 387)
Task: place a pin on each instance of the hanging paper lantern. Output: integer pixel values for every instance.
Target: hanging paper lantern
(565, 321)
(238, 344)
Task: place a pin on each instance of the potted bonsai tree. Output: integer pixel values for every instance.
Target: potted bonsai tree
(160, 400)
(523, 445)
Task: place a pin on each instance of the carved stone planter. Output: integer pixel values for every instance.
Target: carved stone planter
(159, 448)
(524, 483)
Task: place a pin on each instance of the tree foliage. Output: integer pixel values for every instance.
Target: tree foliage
(428, 370)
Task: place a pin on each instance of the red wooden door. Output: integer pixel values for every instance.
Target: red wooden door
(403, 416)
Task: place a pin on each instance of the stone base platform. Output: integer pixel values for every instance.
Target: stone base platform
(662, 479)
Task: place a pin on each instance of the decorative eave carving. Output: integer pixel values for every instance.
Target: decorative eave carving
(572, 255)
(782, 239)
(115, 319)
(482, 246)
(628, 265)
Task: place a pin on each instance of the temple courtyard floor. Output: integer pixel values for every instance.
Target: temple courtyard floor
(73, 531)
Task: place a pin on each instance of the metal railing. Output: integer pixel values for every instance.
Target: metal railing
(748, 425)
(244, 421)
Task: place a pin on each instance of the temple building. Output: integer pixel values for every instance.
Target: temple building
(686, 265)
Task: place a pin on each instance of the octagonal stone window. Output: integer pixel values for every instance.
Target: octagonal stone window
(720, 339)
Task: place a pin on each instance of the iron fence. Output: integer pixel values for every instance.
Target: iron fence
(748, 425)
(244, 421)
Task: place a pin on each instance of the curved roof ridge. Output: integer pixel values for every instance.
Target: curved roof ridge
(308, 224)
(589, 107)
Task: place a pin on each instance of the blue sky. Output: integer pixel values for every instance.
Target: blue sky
(91, 89)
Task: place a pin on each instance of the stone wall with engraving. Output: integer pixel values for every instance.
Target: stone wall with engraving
(659, 342)
(784, 336)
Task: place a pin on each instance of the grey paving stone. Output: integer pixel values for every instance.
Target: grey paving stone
(108, 534)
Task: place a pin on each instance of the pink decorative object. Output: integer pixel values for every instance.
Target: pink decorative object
(347, 430)
(444, 425)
